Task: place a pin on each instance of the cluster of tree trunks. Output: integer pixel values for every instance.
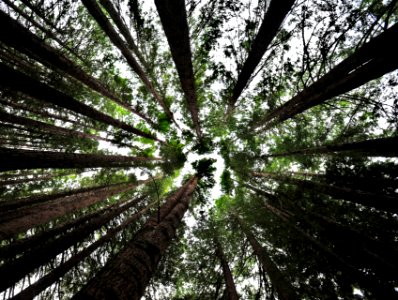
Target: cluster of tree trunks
(127, 275)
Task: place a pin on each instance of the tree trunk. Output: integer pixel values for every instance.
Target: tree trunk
(49, 279)
(26, 180)
(371, 61)
(174, 21)
(123, 30)
(18, 268)
(11, 78)
(273, 19)
(229, 280)
(377, 147)
(107, 27)
(32, 216)
(26, 42)
(284, 289)
(15, 159)
(383, 202)
(127, 275)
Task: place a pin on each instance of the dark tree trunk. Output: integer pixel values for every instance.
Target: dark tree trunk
(123, 30)
(371, 61)
(174, 21)
(20, 38)
(377, 147)
(107, 27)
(26, 180)
(273, 19)
(284, 289)
(14, 159)
(16, 269)
(49, 279)
(11, 78)
(229, 280)
(383, 202)
(127, 275)
(29, 217)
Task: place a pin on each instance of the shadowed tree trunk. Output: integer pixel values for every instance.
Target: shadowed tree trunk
(107, 27)
(49, 279)
(382, 202)
(29, 217)
(273, 19)
(174, 21)
(123, 30)
(14, 159)
(16, 269)
(386, 147)
(11, 78)
(371, 61)
(26, 180)
(26, 42)
(127, 275)
(229, 280)
(284, 289)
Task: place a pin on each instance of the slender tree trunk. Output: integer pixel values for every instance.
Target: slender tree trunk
(377, 147)
(53, 276)
(284, 289)
(174, 20)
(273, 19)
(127, 275)
(26, 180)
(38, 239)
(371, 61)
(229, 280)
(26, 42)
(382, 202)
(107, 27)
(32, 216)
(11, 78)
(18, 268)
(14, 159)
(123, 30)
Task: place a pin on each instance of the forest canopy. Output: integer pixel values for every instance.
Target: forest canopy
(198, 149)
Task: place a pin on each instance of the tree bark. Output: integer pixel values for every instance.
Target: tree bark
(377, 147)
(32, 216)
(18, 268)
(21, 39)
(15, 159)
(383, 202)
(49, 279)
(107, 27)
(174, 21)
(11, 78)
(273, 19)
(229, 280)
(284, 289)
(371, 61)
(127, 275)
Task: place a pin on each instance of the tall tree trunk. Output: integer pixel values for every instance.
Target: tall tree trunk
(32, 216)
(11, 78)
(273, 19)
(123, 30)
(49, 279)
(107, 27)
(371, 61)
(18, 268)
(382, 202)
(174, 21)
(377, 147)
(14, 159)
(284, 289)
(26, 180)
(229, 280)
(127, 275)
(26, 42)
